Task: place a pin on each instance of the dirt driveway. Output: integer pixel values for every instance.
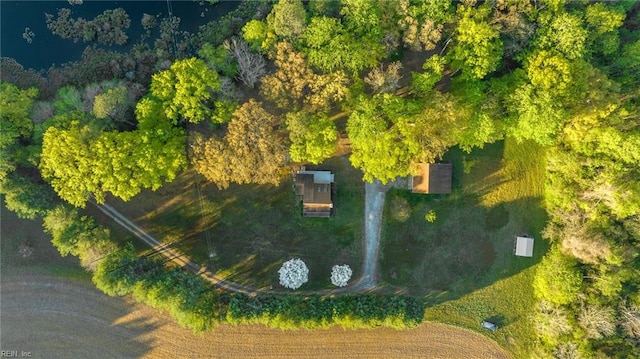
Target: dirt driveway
(60, 318)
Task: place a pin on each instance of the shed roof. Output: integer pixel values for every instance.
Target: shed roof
(433, 178)
(524, 247)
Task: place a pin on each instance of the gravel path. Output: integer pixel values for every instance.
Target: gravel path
(373, 207)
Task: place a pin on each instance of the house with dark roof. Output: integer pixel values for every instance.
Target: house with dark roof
(432, 178)
(315, 190)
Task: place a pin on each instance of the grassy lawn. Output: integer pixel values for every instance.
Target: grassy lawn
(247, 231)
(44, 260)
(463, 262)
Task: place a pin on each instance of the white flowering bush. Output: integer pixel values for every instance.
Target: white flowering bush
(293, 273)
(340, 275)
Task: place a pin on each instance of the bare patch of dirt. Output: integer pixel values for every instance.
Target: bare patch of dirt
(59, 318)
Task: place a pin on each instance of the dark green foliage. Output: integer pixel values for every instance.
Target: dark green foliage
(26, 198)
(187, 298)
(314, 311)
(220, 59)
(15, 126)
(78, 235)
(14, 116)
(68, 100)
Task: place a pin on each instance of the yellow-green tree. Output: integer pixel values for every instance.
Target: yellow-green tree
(186, 89)
(81, 162)
(313, 137)
(477, 49)
(14, 116)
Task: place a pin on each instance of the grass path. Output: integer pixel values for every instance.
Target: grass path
(178, 258)
(183, 261)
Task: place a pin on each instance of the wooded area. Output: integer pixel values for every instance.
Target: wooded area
(276, 86)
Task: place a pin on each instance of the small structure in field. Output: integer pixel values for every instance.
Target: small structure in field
(524, 247)
(315, 190)
(432, 178)
(489, 325)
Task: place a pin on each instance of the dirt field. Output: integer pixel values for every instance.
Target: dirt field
(61, 318)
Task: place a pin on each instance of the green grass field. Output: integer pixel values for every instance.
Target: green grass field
(463, 262)
(43, 260)
(252, 229)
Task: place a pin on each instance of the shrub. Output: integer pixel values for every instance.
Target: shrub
(314, 311)
(340, 275)
(430, 216)
(293, 273)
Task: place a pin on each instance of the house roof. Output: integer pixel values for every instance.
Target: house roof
(314, 188)
(311, 191)
(433, 178)
(524, 247)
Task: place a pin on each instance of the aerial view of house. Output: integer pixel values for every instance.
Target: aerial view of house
(315, 190)
(320, 179)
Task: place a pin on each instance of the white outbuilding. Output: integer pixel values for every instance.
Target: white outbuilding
(524, 247)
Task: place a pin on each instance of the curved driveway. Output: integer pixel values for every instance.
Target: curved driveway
(373, 208)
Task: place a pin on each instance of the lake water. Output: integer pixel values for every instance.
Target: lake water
(47, 49)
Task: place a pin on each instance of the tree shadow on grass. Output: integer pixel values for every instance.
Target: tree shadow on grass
(470, 243)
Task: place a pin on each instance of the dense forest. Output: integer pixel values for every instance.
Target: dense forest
(277, 84)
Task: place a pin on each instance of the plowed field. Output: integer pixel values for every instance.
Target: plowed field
(60, 318)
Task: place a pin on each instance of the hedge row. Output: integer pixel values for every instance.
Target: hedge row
(189, 299)
(314, 311)
(196, 304)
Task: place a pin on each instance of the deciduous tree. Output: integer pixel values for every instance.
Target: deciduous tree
(477, 50)
(26, 198)
(313, 137)
(253, 150)
(251, 66)
(295, 85)
(329, 47)
(15, 120)
(186, 89)
(558, 280)
(287, 18)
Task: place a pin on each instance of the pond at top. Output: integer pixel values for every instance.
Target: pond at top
(47, 49)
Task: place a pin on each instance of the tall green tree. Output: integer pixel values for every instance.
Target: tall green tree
(558, 280)
(330, 46)
(389, 133)
(25, 197)
(313, 137)
(15, 125)
(477, 50)
(15, 120)
(81, 162)
(287, 19)
(186, 89)
(78, 235)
